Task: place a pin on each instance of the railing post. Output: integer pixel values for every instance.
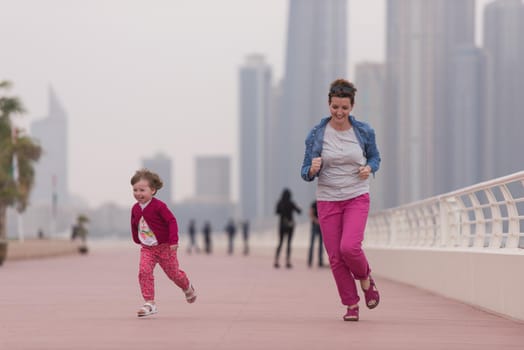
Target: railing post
(512, 241)
(480, 229)
(444, 226)
(392, 229)
(496, 220)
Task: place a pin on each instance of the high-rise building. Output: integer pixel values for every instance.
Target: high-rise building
(315, 56)
(274, 138)
(254, 96)
(471, 130)
(370, 107)
(213, 178)
(504, 44)
(212, 200)
(51, 171)
(421, 38)
(162, 165)
(454, 28)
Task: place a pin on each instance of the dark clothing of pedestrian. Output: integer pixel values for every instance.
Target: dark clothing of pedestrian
(207, 237)
(245, 236)
(285, 209)
(192, 238)
(315, 235)
(231, 230)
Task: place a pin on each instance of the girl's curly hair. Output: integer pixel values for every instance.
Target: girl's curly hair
(145, 174)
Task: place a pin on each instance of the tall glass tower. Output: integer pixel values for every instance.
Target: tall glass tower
(315, 56)
(504, 44)
(255, 89)
(422, 38)
(162, 165)
(51, 171)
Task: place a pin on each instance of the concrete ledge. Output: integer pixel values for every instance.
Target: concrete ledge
(491, 280)
(40, 248)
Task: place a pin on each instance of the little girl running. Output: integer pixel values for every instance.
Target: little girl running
(154, 227)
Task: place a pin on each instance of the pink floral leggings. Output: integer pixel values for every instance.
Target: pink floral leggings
(167, 259)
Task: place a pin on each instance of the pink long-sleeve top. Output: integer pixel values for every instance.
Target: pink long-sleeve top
(159, 219)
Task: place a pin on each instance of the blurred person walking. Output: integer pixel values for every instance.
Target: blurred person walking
(191, 230)
(341, 152)
(316, 235)
(231, 231)
(245, 236)
(206, 230)
(80, 231)
(286, 225)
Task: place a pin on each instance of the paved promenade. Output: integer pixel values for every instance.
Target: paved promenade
(89, 301)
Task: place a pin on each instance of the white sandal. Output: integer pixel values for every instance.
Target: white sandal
(147, 309)
(190, 294)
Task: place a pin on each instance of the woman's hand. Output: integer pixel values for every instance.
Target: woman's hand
(174, 247)
(316, 163)
(364, 171)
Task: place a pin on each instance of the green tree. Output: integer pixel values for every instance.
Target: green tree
(15, 183)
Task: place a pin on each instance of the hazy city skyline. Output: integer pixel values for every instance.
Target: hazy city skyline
(137, 78)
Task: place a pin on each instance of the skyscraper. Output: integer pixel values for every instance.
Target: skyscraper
(162, 165)
(471, 130)
(370, 107)
(454, 30)
(504, 44)
(213, 178)
(421, 38)
(212, 200)
(254, 93)
(315, 56)
(51, 171)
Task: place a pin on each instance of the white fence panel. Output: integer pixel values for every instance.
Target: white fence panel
(488, 215)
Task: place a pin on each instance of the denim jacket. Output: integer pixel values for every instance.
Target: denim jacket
(364, 133)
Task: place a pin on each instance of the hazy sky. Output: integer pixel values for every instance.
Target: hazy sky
(138, 77)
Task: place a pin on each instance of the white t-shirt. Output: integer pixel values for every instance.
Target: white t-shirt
(342, 157)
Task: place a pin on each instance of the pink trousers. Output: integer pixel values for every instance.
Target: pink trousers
(167, 259)
(343, 224)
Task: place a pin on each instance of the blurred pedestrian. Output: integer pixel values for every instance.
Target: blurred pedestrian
(155, 229)
(245, 236)
(191, 230)
(206, 230)
(231, 230)
(315, 236)
(81, 232)
(341, 152)
(286, 225)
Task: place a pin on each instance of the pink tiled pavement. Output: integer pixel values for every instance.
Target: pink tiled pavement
(89, 302)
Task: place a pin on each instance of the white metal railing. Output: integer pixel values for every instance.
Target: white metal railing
(486, 215)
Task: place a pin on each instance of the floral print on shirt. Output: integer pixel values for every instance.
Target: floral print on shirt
(145, 235)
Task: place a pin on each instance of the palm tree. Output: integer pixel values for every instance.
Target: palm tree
(18, 152)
